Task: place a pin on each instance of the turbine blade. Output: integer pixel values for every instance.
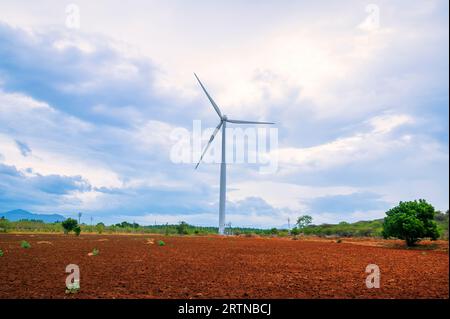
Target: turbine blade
(209, 97)
(247, 122)
(209, 143)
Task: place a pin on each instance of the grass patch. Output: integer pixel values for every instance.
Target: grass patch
(1, 253)
(95, 252)
(25, 244)
(72, 291)
(161, 243)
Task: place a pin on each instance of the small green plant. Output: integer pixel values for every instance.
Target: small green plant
(95, 252)
(161, 243)
(25, 244)
(72, 290)
(339, 241)
(1, 253)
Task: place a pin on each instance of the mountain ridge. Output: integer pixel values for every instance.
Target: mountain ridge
(21, 214)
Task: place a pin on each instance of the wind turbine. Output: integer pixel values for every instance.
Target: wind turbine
(223, 168)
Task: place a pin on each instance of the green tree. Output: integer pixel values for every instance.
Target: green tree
(304, 221)
(411, 221)
(295, 231)
(4, 225)
(69, 224)
(182, 228)
(77, 230)
(274, 231)
(100, 227)
(166, 229)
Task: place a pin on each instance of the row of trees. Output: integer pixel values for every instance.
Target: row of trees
(410, 221)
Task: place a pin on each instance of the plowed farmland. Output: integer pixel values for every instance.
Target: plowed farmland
(135, 266)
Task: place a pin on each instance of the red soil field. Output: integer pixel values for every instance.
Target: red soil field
(129, 266)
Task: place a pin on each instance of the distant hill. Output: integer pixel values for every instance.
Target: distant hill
(20, 214)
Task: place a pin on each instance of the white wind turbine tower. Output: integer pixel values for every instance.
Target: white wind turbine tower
(223, 168)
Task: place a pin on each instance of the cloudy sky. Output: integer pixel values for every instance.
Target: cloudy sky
(89, 104)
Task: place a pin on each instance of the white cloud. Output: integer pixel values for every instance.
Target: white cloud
(23, 115)
(386, 123)
(345, 150)
(81, 45)
(46, 162)
(284, 195)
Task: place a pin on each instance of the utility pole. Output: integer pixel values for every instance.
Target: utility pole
(92, 221)
(79, 218)
(289, 225)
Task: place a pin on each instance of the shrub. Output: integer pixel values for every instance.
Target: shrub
(100, 227)
(1, 253)
(72, 290)
(4, 225)
(166, 230)
(161, 243)
(77, 230)
(69, 224)
(274, 231)
(283, 233)
(295, 231)
(182, 228)
(25, 244)
(411, 221)
(440, 217)
(365, 232)
(95, 252)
